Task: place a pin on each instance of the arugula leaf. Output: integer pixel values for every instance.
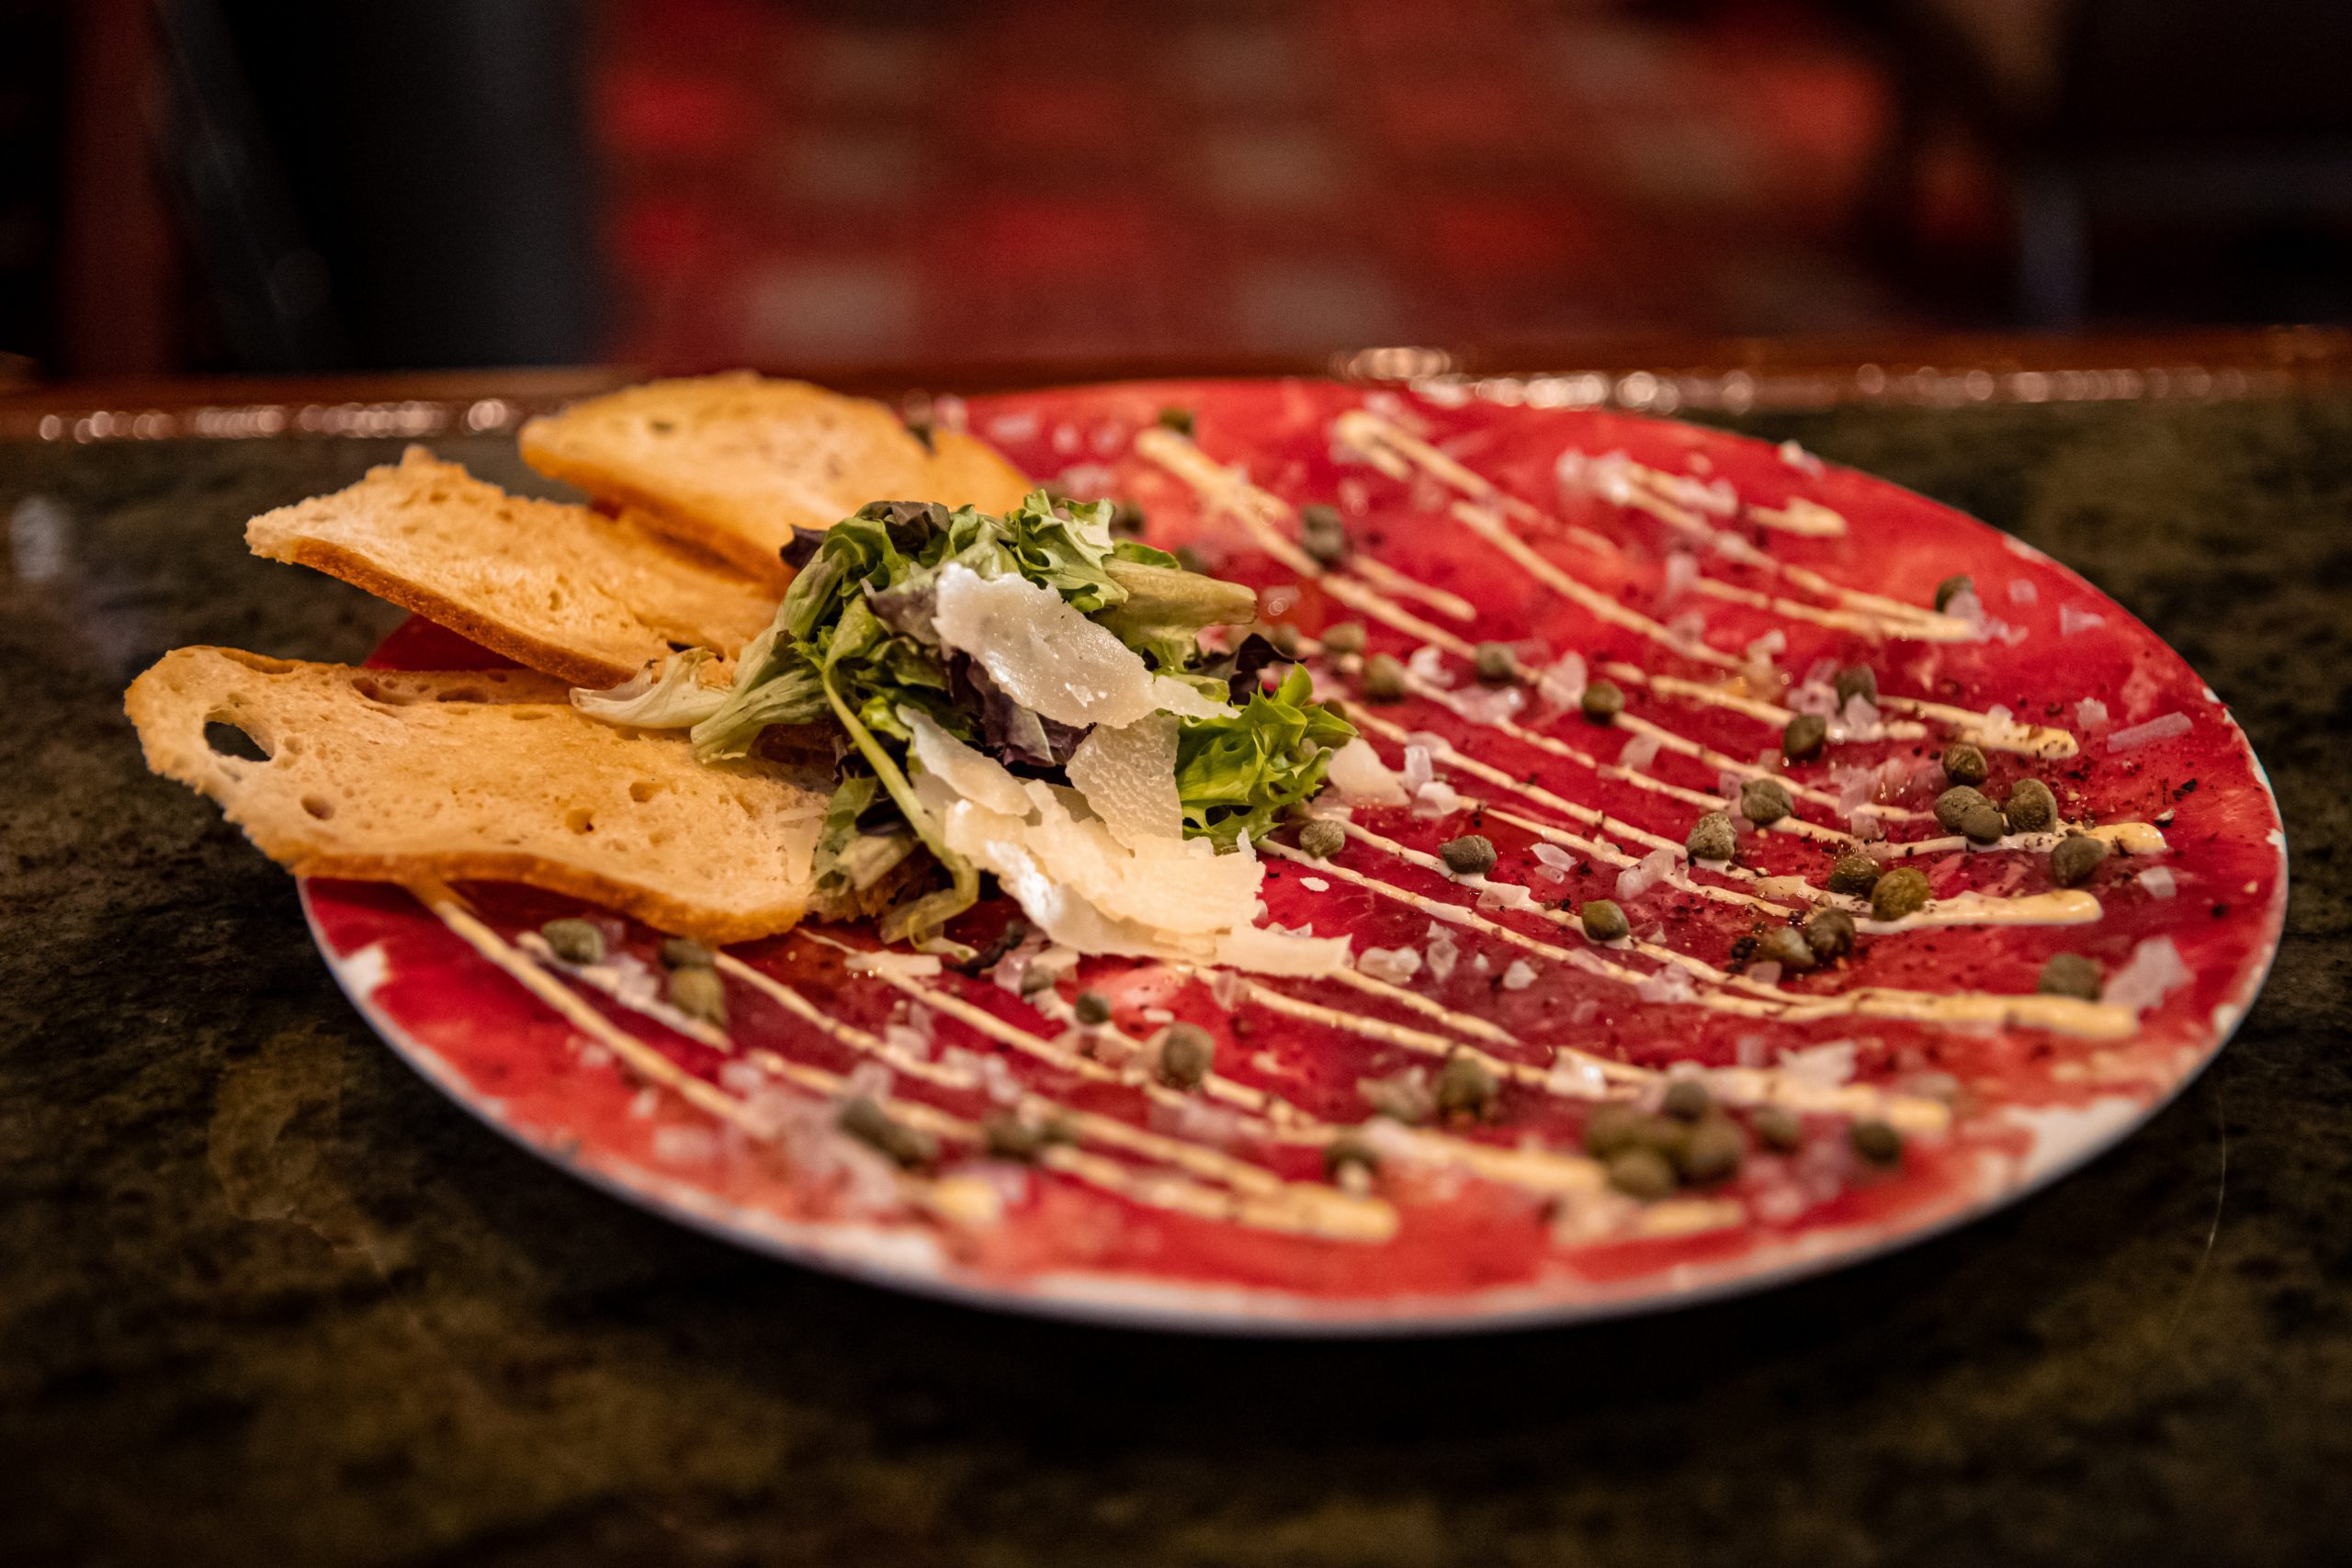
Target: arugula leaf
(1243, 773)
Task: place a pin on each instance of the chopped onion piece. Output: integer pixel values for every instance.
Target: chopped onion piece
(2163, 728)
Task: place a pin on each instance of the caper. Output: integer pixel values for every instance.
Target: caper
(1642, 1173)
(1953, 805)
(1191, 559)
(1495, 664)
(1983, 823)
(1958, 583)
(1857, 681)
(1348, 637)
(2031, 807)
(1712, 837)
(686, 952)
(1777, 1127)
(1181, 421)
(1901, 892)
(1186, 1055)
(1964, 763)
(1322, 838)
(1603, 701)
(1875, 1142)
(1685, 1100)
(1611, 1128)
(1011, 1136)
(1091, 1008)
(1036, 978)
(1669, 1137)
(1856, 871)
(1829, 933)
(2069, 974)
(574, 941)
(1604, 922)
(1764, 802)
(1126, 520)
(1322, 535)
(1282, 637)
(1349, 1158)
(698, 994)
(1466, 1087)
(1786, 946)
(2075, 858)
(1383, 679)
(1804, 736)
(1472, 854)
(876, 1128)
(1714, 1151)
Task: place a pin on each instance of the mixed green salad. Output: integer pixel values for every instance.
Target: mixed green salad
(855, 648)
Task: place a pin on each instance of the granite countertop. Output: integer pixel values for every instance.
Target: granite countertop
(265, 1297)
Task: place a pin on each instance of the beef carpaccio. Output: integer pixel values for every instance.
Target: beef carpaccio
(1606, 1065)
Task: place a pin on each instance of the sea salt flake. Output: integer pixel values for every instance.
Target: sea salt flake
(1827, 1066)
(1519, 977)
(2153, 972)
(2163, 728)
(1428, 664)
(1444, 952)
(1397, 965)
(2159, 881)
(2022, 590)
(1639, 753)
(2090, 713)
(1315, 884)
(1671, 984)
(2071, 620)
(1646, 873)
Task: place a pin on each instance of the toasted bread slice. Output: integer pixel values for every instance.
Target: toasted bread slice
(562, 589)
(413, 778)
(731, 464)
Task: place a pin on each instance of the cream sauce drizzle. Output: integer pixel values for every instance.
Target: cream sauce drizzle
(2132, 838)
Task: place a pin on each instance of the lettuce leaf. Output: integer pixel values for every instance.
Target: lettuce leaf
(1242, 774)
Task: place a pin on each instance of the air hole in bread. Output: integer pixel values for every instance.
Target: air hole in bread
(230, 740)
(580, 820)
(318, 805)
(643, 790)
(462, 694)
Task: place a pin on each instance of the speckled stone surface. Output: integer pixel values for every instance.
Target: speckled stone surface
(266, 1298)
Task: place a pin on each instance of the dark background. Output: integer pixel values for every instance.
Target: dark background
(285, 185)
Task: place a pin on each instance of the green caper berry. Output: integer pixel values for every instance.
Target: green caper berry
(1322, 535)
(2075, 858)
(1965, 764)
(1857, 681)
(1178, 419)
(1953, 805)
(1804, 736)
(1010, 1137)
(1777, 1127)
(1186, 1055)
(1960, 582)
(1191, 559)
(1496, 665)
(1764, 801)
(1875, 1142)
(1282, 636)
(1900, 892)
(1611, 1128)
(1685, 1100)
(1786, 946)
(1466, 1087)
(1036, 978)
(2069, 974)
(1091, 1008)
(2031, 808)
(1350, 1151)
(1348, 637)
(879, 1130)
(1126, 520)
(574, 941)
(1472, 854)
(1712, 837)
(686, 952)
(1383, 679)
(1829, 933)
(1604, 922)
(1983, 823)
(1322, 838)
(1715, 1152)
(698, 993)
(1856, 872)
(1666, 1136)
(1603, 701)
(1644, 1174)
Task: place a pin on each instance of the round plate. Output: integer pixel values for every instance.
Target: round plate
(1472, 1253)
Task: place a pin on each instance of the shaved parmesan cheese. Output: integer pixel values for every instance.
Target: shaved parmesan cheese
(1281, 953)
(1128, 777)
(883, 961)
(962, 770)
(2090, 713)
(1360, 777)
(1519, 977)
(1052, 660)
